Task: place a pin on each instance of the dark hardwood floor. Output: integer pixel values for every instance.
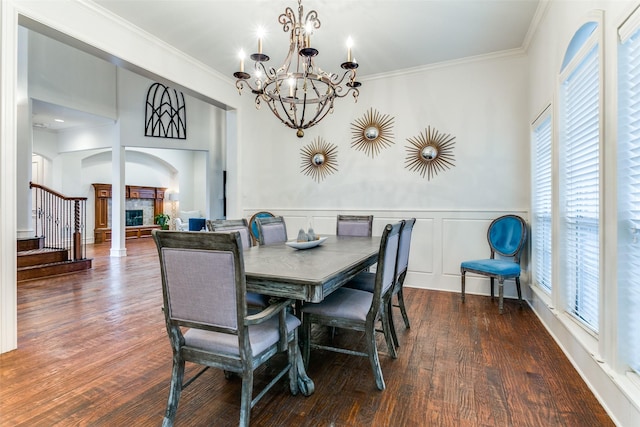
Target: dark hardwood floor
(93, 351)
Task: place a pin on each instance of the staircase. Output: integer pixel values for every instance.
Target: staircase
(35, 261)
(59, 245)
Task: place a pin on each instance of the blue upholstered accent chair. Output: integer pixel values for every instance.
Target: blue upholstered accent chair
(206, 316)
(507, 236)
(359, 310)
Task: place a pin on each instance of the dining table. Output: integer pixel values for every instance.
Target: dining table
(308, 275)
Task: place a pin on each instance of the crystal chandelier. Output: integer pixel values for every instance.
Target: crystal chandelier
(299, 92)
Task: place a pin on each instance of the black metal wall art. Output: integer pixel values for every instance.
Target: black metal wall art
(165, 113)
(319, 159)
(430, 153)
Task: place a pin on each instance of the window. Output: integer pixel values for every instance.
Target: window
(629, 194)
(541, 201)
(579, 127)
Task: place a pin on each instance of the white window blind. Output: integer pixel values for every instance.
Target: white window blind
(629, 199)
(541, 203)
(580, 189)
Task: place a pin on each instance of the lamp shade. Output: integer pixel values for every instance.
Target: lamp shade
(173, 197)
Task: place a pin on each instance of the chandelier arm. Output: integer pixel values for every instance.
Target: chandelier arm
(274, 110)
(284, 109)
(287, 19)
(312, 16)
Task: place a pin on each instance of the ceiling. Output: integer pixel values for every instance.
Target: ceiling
(388, 35)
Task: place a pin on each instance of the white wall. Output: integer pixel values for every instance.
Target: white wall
(595, 357)
(481, 102)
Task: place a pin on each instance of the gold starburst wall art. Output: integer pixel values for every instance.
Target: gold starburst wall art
(319, 159)
(372, 132)
(430, 153)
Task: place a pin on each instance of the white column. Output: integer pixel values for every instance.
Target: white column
(118, 195)
(25, 141)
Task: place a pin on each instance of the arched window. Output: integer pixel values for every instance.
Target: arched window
(580, 132)
(165, 115)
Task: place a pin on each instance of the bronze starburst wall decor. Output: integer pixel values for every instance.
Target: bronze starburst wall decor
(372, 132)
(430, 153)
(319, 159)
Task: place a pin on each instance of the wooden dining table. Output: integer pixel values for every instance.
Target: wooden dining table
(308, 275)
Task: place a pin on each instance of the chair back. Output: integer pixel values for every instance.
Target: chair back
(403, 247)
(227, 225)
(386, 270)
(507, 236)
(203, 281)
(271, 230)
(354, 225)
(253, 224)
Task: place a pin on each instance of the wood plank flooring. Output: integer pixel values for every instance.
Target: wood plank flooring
(93, 351)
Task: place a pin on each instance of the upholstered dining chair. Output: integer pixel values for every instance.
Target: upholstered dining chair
(253, 224)
(365, 281)
(203, 288)
(507, 236)
(358, 310)
(354, 225)
(271, 230)
(241, 226)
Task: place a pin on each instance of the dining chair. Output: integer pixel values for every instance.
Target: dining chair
(365, 280)
(507, 236)
(358, 310)
(242, 226)
(271, 230)
(203, 289)
(253, 224)
(354, 225)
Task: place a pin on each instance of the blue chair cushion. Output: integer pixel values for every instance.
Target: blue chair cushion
(496, 267)
(196, 224)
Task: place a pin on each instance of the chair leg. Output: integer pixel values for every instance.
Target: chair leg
(387, 329)
(306, 339)
(519, 289)
(373, 356)
(403, 309)
(245, 400)
(492, 294)
(500, 294)
(177, 376)
(462, 275)
(392, 325)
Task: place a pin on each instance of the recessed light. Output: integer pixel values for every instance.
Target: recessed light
(59, 120)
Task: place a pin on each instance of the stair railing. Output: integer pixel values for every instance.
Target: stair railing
(60, 220)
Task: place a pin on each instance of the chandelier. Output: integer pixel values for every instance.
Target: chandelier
(299, 92)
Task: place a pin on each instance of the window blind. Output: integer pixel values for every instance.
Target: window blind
(541, 203)
(580, 189)
(629, 200)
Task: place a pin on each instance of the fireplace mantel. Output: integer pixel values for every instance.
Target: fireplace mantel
(102, 231)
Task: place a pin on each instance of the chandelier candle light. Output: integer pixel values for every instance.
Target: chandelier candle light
(299, 93)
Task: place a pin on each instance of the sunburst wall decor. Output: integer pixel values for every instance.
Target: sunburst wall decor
(430, 153)
(319, 159)
(372, 132)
